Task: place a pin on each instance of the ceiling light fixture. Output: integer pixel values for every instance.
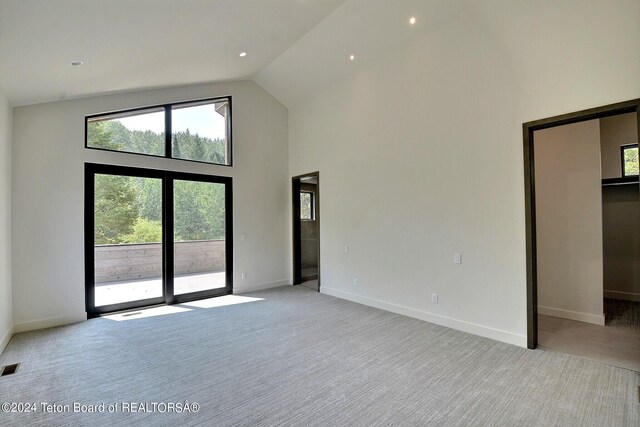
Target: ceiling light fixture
(352, 57)
(412, 20)
(76, 63)
(243, 54)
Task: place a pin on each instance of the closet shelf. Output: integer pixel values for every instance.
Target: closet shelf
(627, 180)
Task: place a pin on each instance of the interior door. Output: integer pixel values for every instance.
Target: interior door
(297, 251)
(306, 230)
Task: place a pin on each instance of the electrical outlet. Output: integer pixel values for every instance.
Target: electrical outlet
(243, 236)
(346, 249)
(434, 298)
(457, 258)
(355, 282)
(244, 275)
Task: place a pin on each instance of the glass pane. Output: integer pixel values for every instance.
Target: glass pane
(127, 239)
(199, 236)
(630, 161)
(200, 132)
(305, 206)
(139, 132)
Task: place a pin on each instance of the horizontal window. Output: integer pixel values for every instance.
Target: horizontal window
(197, 131)
(140, 132)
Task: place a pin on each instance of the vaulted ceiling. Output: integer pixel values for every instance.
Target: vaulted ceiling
(139, 44)
(294, 47)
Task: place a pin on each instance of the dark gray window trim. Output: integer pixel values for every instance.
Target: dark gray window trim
(167, 111)
(168, 178)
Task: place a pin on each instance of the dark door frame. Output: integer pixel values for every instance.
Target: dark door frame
(529, 191)
(167, 178)
(297, 246)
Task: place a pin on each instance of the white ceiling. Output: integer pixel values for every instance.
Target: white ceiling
(295, 47)
(369, 29)
(542, 38)
(139, 44)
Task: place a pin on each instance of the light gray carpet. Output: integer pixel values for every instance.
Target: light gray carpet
(311, 284)
(302, 358)
(622, 314)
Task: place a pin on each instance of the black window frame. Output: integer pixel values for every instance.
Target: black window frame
(312, 207)
(622, 150)
(167, 128)
(168, 256)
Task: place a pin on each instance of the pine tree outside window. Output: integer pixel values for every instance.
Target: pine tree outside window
(197, 131)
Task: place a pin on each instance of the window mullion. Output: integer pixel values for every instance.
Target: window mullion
(167, 132)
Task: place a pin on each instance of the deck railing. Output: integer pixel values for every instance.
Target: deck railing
(134, 261)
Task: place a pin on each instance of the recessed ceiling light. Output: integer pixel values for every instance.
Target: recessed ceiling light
(76, 63)
(243, 54)
(352, 57)
(412, 20)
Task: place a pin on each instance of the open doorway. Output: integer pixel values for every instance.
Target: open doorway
(306, 230)
(583, 235)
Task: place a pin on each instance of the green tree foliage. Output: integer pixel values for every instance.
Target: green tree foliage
(195, 147)
(115, 208)
(113, 135)
(123, 139)
(145, 231)
(100, 137)
(149, 199)
(129, 209)
(199, 210)
(631, 166)
(305, 205)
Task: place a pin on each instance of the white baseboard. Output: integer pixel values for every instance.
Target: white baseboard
(260, 286)
(572, 315)
(460, 325)
(627, 296)
(49, 322)
(5, 339)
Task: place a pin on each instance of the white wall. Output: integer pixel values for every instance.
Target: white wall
(6, 311)
(416, 164)
(616, 131)
(48, 170)
(419, 141)
(569, 221)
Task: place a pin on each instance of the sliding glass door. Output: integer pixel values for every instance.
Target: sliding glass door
(154, 237)
(127, 240)
(199, 261)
